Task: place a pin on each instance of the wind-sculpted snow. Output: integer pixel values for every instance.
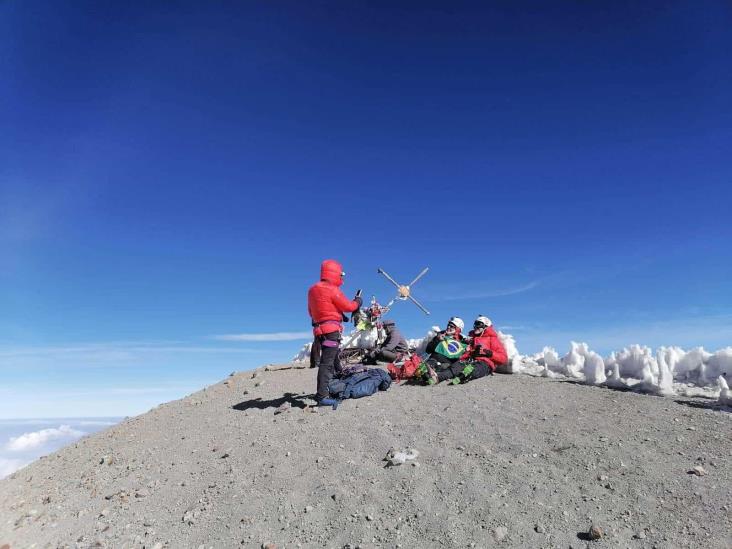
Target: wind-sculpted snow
(667, 371)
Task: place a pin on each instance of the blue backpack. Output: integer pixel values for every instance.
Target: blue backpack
(360, 384)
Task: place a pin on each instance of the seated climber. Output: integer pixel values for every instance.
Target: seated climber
(481, 358)
(393, 346)
(447, 346)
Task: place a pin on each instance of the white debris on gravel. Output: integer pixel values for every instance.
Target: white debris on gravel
(669, 371)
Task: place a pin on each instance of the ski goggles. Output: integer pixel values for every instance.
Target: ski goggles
(451, 325)
(479, 325)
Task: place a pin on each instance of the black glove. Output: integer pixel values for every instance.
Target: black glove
(344, 317)
(480, 350)
(358, 300)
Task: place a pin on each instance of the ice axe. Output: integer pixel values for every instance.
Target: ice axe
(406, 289)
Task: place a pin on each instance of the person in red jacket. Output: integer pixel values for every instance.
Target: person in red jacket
(484, 354)
(326, 306)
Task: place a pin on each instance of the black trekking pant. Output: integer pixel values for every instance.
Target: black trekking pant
(385, 355)
(315, 352)
(480, 369)
(329, 361)
(439, 362)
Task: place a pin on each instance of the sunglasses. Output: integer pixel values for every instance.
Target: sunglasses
(479, 325)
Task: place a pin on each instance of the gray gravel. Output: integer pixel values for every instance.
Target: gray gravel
(506, 461)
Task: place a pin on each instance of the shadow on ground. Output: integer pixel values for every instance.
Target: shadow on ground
(295, 400)
(705, 405)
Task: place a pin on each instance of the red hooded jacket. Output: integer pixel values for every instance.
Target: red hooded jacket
(326, 302)
(488, 340)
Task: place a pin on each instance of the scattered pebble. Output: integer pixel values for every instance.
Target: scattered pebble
(308, 508)
(595, 532)
(640, 535)
(698, 471)
(500, 533)
(539, 529)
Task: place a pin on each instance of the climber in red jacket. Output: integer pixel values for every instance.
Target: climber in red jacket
(484, 354)
(327, 305)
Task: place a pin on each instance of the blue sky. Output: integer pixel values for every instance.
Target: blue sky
(176, 172)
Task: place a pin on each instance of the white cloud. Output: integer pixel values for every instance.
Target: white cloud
(485, 295)
(9, 466)
(275, 336)
(36, 439)
(112, 351)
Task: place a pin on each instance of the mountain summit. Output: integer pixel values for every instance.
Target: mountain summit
(509, 461)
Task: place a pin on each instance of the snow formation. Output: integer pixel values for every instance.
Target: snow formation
(668, 371)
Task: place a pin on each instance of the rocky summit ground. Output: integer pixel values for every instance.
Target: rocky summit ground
(506, 461)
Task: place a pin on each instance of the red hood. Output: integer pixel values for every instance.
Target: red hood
(330, 271)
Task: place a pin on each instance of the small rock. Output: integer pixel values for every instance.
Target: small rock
(369, 518)
(602, 478)
(539, 529)
(158, 545)
(225, 455)
(308, 508)
(106, 460)
(698, 471)
(46, 500)
(640, 535)
(269, 546)
(104, 512)
(595, 532)
(500, 533)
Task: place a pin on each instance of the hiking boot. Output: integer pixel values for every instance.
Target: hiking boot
(327, 402)
(431, 376)
(463, 376)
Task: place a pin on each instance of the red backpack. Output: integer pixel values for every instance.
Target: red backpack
(405, 370)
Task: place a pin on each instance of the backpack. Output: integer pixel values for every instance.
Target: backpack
(360, 384)
(406, 370)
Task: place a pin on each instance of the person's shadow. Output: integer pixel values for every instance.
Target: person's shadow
(296, 401)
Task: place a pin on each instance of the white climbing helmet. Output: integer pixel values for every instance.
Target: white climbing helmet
(457, 321)
(484, 320)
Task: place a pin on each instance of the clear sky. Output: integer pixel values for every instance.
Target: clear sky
(174, 172)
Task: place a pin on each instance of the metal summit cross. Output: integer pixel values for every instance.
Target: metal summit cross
(405, 290)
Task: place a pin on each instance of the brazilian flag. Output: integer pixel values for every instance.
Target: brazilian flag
(451, 348)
